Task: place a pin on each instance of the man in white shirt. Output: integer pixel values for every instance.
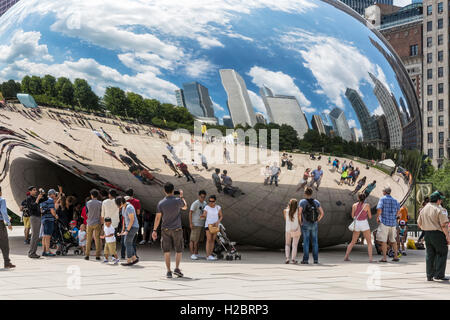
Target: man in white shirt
(275, 172)
(110, 209)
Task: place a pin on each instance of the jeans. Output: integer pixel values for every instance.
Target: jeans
(123, 244)
(130, 242)
(275, 176)
(4, 243)
(437, 250)
(310, 230)
(35, 222)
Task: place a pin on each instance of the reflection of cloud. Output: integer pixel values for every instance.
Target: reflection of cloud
(257, 102)
(336, 64)
(278, 82)
(352, 123)
(24, 45)
(308, 109)
(216, 106)
(378, 111)
(326, 111)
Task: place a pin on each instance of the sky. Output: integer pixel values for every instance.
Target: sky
(304, 48)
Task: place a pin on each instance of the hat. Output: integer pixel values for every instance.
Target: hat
(387, 190)
(73, 223)
(31, 188)
(402, 222)
(51, 191)
(435, 196)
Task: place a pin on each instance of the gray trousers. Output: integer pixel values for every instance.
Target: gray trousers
(4, 243)
(35, 231)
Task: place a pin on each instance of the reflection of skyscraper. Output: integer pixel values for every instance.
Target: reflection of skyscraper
(197, 100)
(355, 136)
(368, 124)
(317, 124)
(5, 5)
(239, 104)
(360, 5)
(391, 112)
(285, 110)
(227, 122)
(179, 95)
(383, 129)
(340, 124)
(260, 118)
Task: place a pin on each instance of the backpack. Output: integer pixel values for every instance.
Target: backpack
(311, 213)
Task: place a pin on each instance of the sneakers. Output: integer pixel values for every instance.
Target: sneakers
(116, 261)
(85, 258)
(177, 272)
(143, 242)
(34, 256)
(211, 258)
(304, 262)
(97, 258)
(105, 261)
(9, 265)
(441, 279)
(194, 257)
(169, 275)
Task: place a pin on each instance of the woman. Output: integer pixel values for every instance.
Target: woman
(62, 210)
(129, 229)
(360, 184)
(213, 215)
(360, 213)
(304, 180)
(292, 230)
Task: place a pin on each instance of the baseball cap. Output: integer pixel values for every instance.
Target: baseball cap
(31, 188)
(435, 196)
(387, 190)
(51, 191)
(402, 222)
(73, 223)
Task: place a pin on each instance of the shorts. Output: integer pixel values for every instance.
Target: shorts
(362, 225)
(49, 226)
(172, 239)
(386, 233)
(26, 222)
(110, 248)
(195, 233)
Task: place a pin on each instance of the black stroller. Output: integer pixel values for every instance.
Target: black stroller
(224, 247)
(63, 240)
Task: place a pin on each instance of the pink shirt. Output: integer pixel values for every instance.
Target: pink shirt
(363, 214)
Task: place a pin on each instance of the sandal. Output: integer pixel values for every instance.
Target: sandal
(382, 260)
(287, 261)
(294, 261)
(347, 259)
(396, 259)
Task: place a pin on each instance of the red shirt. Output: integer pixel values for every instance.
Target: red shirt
(135, 203)
(84, 215)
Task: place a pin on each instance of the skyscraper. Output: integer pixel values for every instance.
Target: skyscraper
(360, 5)
(5, 5)
(238, 103)
(285, 110)
(355, 136)
(317, 124)
(227, 122)
(391, 112)
(340, 124)
(179, 95)
(196, 99)
(368, 123)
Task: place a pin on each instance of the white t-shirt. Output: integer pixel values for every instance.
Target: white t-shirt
(109, 230)
(291, 225)
(110, 209)
(212, 215)
(82, 238)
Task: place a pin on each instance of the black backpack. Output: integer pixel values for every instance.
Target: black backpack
(311, 213)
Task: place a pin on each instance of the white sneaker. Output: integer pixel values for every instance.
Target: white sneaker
(105, 261)
(194, 257)
(143, 242)
(116, 261)
(211, 258)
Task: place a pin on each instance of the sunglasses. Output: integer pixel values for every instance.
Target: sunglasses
(212, 200)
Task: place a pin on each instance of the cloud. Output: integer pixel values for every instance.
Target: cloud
(335, 64)
(352, 123)
(378, 111)
(257, 102)
(24, 45)
(309, 109)
(326, 111)
(401, 3)
(278, 82)
(217, 106)
(199, 68)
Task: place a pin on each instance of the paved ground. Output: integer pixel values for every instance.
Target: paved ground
(260, 275)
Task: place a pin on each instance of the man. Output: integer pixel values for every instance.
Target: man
(26, 220)
(137, 207)
(434, 222)
(48, 219)
(94, 213)
(196, 223)
(4, 242)
(316, 175)
(369, 188)
(33, 201)
(387, 212)
(204, 162)
(133, 156)
(216, 180)
(184, 169)
(228, 184)
(274, 173)
(310, 213)
(171, 231)
(110, 209)
(171, 166)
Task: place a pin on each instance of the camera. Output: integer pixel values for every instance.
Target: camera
(41, 191)
(176, 192)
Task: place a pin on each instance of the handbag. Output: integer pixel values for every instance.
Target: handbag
(213, 229)
(352, 225)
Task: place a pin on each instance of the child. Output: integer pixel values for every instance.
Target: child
(82, 238)
(343, 177)
(73, 229)
(402, 235)
(110, 241)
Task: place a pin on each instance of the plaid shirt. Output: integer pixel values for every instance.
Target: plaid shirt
(389, 208)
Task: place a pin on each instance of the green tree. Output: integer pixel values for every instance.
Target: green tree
(83, 94)
(64, 90)
(116, 101)
(48, 85)
(137, 104)
(10, 89)
(35, 85)
(288, 138)
(441, 181)
(26, 84)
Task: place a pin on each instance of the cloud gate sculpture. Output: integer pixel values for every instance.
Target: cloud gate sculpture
(307, 63)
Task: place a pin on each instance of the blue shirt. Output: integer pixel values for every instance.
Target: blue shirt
(129, 209)
(45, 209)
(389, 208)
(317, 174)
(370, 187)
(4, 211)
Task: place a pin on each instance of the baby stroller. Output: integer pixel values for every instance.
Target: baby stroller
(62, 240)
(224, 246)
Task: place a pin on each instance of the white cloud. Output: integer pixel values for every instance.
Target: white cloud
(24, 45)
(257, 102)
(401, 3)
(217, 106)
(326, 111)
(336, 64)
(378, 111)
(278, 82)
(199, 68)
(352, 123)
(309, 109)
